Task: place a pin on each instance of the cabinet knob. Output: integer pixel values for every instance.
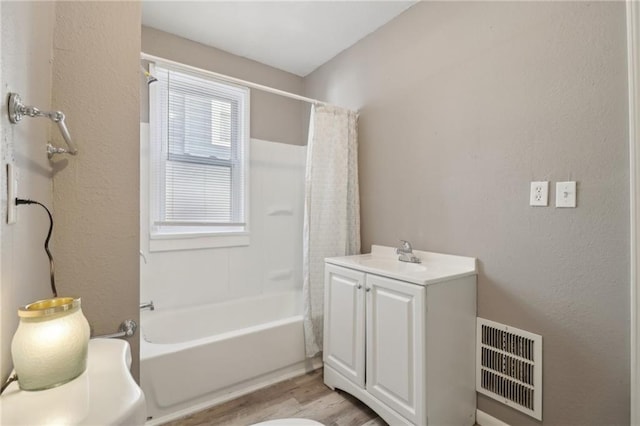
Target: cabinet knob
(359, 286)
(368, 289)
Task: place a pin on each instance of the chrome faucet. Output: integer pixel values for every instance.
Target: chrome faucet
(405, 252)
(147, 305)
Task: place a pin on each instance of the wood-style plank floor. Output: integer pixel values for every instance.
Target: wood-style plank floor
(301, 397)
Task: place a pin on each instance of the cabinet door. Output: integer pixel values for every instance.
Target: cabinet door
(344, 322)
(395, 345)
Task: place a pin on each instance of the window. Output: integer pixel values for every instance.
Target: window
(199, 152)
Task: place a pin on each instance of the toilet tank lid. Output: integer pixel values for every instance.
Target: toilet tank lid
(104, 394)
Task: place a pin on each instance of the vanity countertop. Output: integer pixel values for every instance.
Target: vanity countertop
(434, 267)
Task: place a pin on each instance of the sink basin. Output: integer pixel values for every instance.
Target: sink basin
(391, 265)
(383, 261)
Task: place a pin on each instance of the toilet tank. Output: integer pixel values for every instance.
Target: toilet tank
(104, 394)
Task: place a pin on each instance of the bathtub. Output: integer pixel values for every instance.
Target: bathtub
(197, 357)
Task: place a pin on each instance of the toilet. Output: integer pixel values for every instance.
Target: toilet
(105, 394)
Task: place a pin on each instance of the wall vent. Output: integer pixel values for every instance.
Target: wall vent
(509, 366)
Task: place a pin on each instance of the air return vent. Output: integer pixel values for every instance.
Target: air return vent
(509, 366)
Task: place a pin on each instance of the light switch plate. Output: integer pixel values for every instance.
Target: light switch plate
(566, 194)
(539, 196)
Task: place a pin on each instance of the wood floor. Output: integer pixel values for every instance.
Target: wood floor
(301, 397)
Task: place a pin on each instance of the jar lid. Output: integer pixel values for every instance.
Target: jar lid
(46, 307)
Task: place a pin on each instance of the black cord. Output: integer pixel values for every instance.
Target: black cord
(20, 201)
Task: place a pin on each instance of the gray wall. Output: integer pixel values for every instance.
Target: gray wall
(27, 29)
(462, 105)
(273, 117)
(96, 82)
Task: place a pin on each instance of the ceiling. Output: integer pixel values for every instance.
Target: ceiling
(294, 36)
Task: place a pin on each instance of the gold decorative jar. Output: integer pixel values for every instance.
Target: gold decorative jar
(51, 343)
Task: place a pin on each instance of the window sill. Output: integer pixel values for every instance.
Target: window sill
(159, 243)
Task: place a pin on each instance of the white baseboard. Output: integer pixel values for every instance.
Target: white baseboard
(484, 419)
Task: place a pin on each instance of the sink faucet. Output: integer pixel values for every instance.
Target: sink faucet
(405, 252)
(147, 305)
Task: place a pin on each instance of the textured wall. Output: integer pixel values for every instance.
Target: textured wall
(27, 29)
(273, 117)
(96, 78)
(462, 105)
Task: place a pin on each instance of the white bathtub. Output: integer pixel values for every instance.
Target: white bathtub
(194, 358)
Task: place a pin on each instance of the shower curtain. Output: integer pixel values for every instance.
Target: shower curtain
(331, 209)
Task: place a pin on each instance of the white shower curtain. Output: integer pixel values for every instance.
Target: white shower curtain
(331, 209)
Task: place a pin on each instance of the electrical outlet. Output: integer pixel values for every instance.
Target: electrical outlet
(539, 194)
(566, 194)
(12, 190)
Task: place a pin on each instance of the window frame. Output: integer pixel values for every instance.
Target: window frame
(164, 236)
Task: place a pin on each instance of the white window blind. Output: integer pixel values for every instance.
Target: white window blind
(199, 155)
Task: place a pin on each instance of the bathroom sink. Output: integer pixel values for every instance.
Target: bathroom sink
(383, 261)
(391, 265)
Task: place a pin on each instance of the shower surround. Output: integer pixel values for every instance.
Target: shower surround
(228, 304)
(272, 262)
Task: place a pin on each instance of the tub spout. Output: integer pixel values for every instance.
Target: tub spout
(147, 305)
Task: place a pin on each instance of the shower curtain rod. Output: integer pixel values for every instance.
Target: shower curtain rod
(239, 81)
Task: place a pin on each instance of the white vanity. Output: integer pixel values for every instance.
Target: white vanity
(400, 336)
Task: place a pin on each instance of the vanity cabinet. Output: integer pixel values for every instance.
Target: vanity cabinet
(407, 350)
(394, 344)
(344, 322)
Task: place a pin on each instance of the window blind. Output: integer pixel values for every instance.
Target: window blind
(200, 166)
